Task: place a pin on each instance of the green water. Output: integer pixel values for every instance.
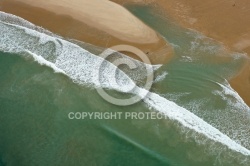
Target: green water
(35, 129)
(193, 82)
(35, 103)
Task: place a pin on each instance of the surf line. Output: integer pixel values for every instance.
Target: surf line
(155, 101)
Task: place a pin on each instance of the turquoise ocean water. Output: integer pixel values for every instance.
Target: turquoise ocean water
(44, 77)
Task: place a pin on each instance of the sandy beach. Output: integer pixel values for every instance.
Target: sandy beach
(225, 21)
(102, 23)
(61, 104)
(105, 23)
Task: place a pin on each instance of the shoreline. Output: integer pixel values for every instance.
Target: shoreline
(66, 21)
(225, 21)
(229, 27)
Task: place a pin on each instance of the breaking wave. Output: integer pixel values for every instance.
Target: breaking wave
(23, 38)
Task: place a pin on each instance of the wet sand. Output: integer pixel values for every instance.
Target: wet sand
(227, 21)
(103, 24)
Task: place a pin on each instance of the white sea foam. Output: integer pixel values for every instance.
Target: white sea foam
(42, 61)
(82, 67)
(186, 59)
(236, 101)
(191, 121)
(224, 109)
(12, 19)
(161, 77)
(76, 62)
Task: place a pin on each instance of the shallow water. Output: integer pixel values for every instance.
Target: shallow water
(197, 77)
(35, 103)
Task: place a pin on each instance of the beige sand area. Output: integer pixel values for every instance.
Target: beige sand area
(99, 22)
(227, 21)
(103, 15)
